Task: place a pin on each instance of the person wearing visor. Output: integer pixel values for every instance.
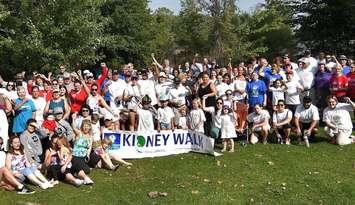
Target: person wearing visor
(306, 120)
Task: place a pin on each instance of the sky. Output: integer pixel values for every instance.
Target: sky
(174, 5)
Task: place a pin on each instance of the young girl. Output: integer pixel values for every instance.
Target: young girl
(182, 119)
(228, 122)
(109, 127)
(229, 99)
(277, 90)
(165, 115)
(100, 157)
(17, 162)
(197, 116)
(64, 154)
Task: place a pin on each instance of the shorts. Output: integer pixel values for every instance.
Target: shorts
(94, 159)
(165, 126)
(78, 164)
(28, 171)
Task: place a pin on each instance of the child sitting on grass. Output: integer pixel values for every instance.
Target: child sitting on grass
(99, 156)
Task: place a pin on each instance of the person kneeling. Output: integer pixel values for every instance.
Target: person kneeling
(338, 121)
(260, 119)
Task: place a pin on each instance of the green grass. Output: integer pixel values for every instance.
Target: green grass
(259, 174)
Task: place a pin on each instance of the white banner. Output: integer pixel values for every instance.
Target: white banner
(131, 145)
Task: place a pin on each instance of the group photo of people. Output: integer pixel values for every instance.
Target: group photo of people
(51, 124)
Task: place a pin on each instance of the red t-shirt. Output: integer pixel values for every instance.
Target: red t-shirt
(337, 83)
(351, 88)
(77, 99)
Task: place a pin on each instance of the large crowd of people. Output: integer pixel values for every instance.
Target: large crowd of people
(52, 124)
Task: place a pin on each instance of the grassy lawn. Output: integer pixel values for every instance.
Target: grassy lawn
(259, 174)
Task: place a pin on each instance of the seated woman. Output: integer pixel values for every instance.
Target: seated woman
(260, 124)
(55, 169)
(81, 150)
(17, 162)
(338, 121)
(99, 156)
(281, 121)
(7, 180)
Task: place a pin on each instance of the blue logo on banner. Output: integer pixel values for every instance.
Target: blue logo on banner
(116, 140)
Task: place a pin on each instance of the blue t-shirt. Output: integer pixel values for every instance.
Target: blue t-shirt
(346, 70)
(106, 95)
(22, 115)
(269, 77)
(256, 91)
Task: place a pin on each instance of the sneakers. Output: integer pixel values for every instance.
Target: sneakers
(25, 190)
(44, 185)
(88, 181)
(54, 182)
(279, 139)
(288, 142)
(78, 182)
(115, 167)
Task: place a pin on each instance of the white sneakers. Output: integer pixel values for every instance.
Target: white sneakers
(88, 181)
(78, 182)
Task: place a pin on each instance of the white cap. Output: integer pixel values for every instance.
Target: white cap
(162, 74)
(85, 72)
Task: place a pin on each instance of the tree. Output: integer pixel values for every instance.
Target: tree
(128, 31)
(43, 34)
(192, 29)
(164, 42)
(327, 25)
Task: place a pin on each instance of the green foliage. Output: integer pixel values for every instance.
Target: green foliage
(42, 34)
(192, 29)
(128, 31)
(164, 43)
(327, 25)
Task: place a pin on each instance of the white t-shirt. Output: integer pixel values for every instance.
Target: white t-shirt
(196, 120)
(165, 115)
(40, 104)
(292, 95)
(339, 116)
(145, 120)
(278, 117)
(241, 86)
(163, 89)
(221, 90)
(2, 159)
(178, 95)
(183, 122)
(277, 94)
(257, 119)
(306, 78)
(116, 89)
(147, 87)
(216, 117)
(307, 115)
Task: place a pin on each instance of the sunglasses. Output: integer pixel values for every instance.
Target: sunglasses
(93, 89)
(85, 110)
(219, 103)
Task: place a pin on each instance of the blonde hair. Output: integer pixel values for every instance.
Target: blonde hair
(198, 101)
(86, 122)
